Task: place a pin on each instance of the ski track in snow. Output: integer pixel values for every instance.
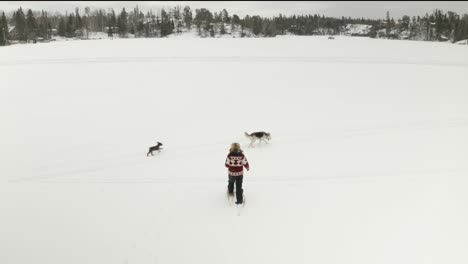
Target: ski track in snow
(290, 179)
(63, 172)
(285, 59)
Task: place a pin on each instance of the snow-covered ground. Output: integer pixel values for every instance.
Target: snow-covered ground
(367, 163)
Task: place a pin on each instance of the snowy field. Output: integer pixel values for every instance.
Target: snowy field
(367, 163)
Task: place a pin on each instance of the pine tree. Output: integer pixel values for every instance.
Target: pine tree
(225, 16)
(123, 23)
(100, 21)
(235, 19)
(140, 28)
(270, 28)
(405, 21)
(86, 20)
(176, 13)
(112, 20)
(62, 28)
(42, 25)
(256, 25)
(167, 25)
(3, 30)
(164, 23)
(70, 27)
(2, 37)
(31, 25)
(20, 23)
(187, 14)
(388, 25)
(78, 23)
(203, 17)
(45, 26)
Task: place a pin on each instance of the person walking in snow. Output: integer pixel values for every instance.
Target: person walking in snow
(235, 162)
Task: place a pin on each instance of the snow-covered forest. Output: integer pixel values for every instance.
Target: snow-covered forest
(32, 25)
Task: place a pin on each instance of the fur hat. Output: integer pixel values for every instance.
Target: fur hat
(235, 147)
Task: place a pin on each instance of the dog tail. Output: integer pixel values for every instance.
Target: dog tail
(246, 134)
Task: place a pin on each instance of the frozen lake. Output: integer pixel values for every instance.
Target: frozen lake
(367, 163)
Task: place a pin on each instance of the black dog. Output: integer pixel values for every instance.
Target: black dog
(154, 148)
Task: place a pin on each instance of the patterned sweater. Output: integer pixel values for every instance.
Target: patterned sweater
(235, 162)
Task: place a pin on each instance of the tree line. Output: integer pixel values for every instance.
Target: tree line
(27, 26)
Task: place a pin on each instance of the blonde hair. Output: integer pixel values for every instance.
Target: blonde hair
(235, 147)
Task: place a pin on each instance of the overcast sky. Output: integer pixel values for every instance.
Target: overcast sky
(353, 9)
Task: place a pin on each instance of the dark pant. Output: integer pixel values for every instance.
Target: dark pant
(238, 181)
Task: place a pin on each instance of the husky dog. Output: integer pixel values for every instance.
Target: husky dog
(260, 136)
(155, 148)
